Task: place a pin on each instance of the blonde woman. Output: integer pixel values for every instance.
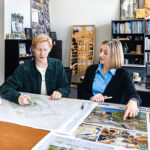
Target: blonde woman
(109, 79)
(43, 75)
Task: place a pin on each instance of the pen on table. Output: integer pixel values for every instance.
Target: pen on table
(82, 107)
(109, 97)
(25, 98)
(84, 134)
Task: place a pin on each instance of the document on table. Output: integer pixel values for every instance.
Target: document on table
(65, 142)
(101, 127)
(47, 114)
(86, 108)
(105, 125)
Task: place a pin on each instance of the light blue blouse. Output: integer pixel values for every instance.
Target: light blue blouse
(100, 82)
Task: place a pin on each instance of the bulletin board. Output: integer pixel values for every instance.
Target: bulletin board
(40, 17)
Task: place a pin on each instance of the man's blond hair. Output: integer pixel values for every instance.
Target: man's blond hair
(41, 38)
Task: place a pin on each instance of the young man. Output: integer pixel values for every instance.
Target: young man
(43, 75)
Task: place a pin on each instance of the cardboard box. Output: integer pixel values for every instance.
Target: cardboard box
(140, 13)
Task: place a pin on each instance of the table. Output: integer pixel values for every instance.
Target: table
(141, 88)
(17, 137)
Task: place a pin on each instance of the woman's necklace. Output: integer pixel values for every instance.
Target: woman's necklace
(105, 70)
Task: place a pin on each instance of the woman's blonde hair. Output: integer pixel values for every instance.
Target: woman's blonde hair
(115, 53)
(41, 38)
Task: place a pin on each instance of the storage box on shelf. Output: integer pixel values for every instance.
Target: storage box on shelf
(82, 47)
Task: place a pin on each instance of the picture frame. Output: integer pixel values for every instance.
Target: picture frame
(28, 32)
(22, 49)
(40, 17)
(128, 9)
(17, 26)
(53, 35)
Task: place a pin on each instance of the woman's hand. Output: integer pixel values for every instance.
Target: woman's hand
(131, 109)
(56, 95)
(98, 98)
(23, 100)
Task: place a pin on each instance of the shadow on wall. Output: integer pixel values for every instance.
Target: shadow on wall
(66, 46)
(103, 33)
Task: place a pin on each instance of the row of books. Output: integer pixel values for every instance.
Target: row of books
(128, 27)
(148, 27)
(147, 43)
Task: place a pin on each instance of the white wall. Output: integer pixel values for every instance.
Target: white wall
(65, 13)
(141, 3)
(1, 41)
(17, 6)
(6, 8)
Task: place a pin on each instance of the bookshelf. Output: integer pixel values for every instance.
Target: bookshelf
(16, 52)
(82, 47)
(56, 51)
(132, 35)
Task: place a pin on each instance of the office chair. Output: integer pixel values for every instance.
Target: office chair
(68, 73)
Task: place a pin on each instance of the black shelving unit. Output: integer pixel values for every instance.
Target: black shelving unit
(131, 33)
(56, 51)
(13, 57)
(136, 31)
